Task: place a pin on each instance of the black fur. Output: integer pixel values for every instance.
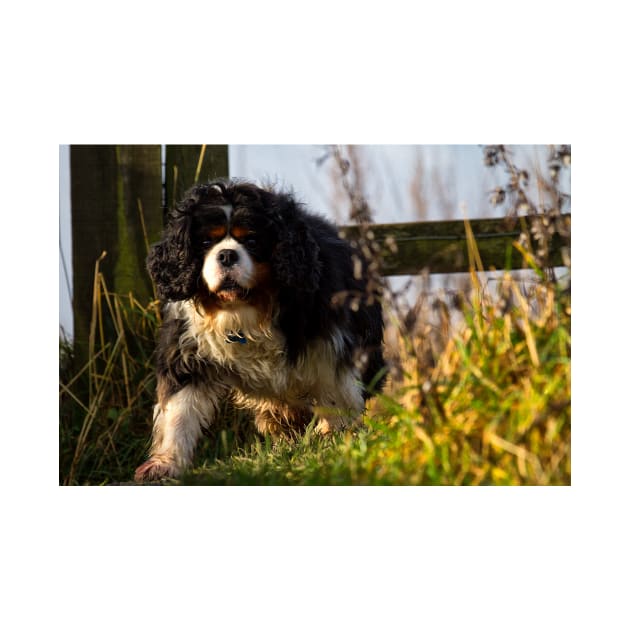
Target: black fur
(172, 263)
(311, 266)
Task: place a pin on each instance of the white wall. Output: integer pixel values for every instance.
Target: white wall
(65, 244)
(388, 173)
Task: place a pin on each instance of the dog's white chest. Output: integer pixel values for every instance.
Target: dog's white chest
(259, 362)
(255, 361)
(261, 369)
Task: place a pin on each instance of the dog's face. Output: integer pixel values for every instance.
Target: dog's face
(236, 248)
(230, 245)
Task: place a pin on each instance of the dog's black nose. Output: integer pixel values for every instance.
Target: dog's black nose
(227, 257)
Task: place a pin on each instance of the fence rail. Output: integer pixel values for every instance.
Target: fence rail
(441, 246)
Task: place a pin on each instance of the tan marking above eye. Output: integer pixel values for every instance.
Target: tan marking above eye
(240, 232)
(217, 232)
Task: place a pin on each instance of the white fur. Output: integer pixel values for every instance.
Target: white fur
(177, 426)
(242, 272)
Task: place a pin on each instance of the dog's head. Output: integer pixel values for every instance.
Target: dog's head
(229, 244)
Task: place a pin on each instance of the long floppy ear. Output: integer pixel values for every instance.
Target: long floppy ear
(172, 263)
(295, 261)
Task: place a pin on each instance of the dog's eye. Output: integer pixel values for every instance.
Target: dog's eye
(206, 243)
(250, 242)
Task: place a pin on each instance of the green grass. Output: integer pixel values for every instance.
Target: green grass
(493, 407)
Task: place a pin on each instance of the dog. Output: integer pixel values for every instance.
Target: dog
(265, 306)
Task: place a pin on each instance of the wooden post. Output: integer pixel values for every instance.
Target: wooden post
(188, 164)
(110, 186)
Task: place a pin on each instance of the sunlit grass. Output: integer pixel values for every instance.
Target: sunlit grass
(495, 410)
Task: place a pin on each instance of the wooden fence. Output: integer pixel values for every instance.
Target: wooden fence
(119, 195)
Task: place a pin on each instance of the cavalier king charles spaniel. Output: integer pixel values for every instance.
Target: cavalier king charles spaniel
(265, 306)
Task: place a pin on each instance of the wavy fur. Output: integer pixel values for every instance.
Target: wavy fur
(276, 340)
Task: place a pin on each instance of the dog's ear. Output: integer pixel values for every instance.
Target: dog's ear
(172, 262)
(296, 261)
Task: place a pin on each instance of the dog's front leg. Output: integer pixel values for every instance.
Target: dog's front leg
(177, 424)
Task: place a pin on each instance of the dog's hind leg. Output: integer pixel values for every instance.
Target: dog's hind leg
(340, 405)
(280, 420)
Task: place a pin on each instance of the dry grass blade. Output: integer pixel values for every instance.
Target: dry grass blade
(96, 315)
(202, 153)
(529, 337)
(145, 235)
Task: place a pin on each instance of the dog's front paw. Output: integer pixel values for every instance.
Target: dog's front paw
(155, 469)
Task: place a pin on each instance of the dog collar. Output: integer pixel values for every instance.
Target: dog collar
(237, 337)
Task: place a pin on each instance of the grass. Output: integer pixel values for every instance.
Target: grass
(494, 410)
(106, 391)
(491, 407)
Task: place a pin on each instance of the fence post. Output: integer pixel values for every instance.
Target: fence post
(110, 186)
(188, 164)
